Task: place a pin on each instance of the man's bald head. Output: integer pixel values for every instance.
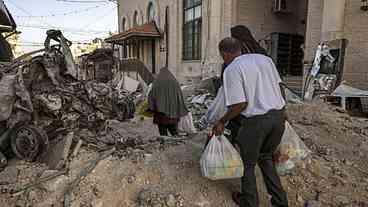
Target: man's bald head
(229, 48)
(230, 45)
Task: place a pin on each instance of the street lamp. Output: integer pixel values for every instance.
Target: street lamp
(364, 5)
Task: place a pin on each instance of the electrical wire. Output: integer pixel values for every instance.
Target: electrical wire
(49, 26)
(87, 1)
(64, 29)
(99, 18)
(75, 12)
(27, 12)
(41, 43)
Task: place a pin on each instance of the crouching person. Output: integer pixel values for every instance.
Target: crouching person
(253, 95)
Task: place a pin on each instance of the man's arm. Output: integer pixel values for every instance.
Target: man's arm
(282, 89)
(235, 97)
(234, 111)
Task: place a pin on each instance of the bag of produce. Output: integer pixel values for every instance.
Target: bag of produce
(290, 151)
(220, 160)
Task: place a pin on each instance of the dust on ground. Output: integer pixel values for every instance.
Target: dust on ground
(158, 172)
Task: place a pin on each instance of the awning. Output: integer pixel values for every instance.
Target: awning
(148, 30)
(7, 23)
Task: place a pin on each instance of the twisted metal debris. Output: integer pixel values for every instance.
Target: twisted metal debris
(41, 98)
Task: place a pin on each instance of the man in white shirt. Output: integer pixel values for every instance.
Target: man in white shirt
(253, 94)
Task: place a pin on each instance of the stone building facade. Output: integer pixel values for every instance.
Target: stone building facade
(314, 20)
(337, 19)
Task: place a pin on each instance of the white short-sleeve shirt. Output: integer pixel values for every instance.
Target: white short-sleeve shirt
(253, 78)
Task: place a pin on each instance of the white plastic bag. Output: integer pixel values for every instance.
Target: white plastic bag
(220, 160)
(186, 124)
(290, 151)
(218, 107)
(215, 111)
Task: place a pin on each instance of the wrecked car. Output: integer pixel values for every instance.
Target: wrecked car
(41, 99)
(7, 28)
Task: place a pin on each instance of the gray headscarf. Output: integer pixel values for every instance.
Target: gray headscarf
(166, 95)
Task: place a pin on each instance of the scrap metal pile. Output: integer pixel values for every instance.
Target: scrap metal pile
(41, 98)
(200, 96)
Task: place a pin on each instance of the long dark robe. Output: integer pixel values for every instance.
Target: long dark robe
(166, 96)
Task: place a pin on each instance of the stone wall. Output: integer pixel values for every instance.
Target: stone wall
(321, 26)
(356, 58)
(259, 17)
(127, 9)
(314, 28)
(215, 20)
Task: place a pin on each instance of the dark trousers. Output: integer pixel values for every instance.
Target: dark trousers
(234, 126)
(165, 128)
(258, 139)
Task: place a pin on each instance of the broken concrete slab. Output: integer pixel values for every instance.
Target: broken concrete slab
(58, 153)
(211, 84)
(130, 84)
(56, 185)
(3, 161)
(9, 175)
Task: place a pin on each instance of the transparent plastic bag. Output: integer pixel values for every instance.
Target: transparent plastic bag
(186, 124)
(216, 110)
(290, 151)
(220, 160)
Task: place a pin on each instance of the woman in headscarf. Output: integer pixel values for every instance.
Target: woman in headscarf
(166, 100)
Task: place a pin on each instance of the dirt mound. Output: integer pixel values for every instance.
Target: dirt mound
(156, 173)
(336, 171)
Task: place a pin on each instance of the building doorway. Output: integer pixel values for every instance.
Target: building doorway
(280, 26)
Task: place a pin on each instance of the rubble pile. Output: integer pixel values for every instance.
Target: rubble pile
(113, 163)
(199, 104)
(337, 165)
(149, 170)
(335, 173)
(154, 197)
(41, 100)
(199, 96)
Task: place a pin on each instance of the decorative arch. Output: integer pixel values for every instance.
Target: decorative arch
(123, 24)
(154, 5)
(151, 12)
(135, 18)
(128, 23)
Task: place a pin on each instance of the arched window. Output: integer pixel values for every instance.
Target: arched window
(150, 12)
(135, 19)
(123, 25)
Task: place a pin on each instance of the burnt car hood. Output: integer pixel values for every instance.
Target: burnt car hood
(7, 23)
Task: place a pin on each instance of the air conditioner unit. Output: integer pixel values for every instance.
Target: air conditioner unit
(280, 6)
